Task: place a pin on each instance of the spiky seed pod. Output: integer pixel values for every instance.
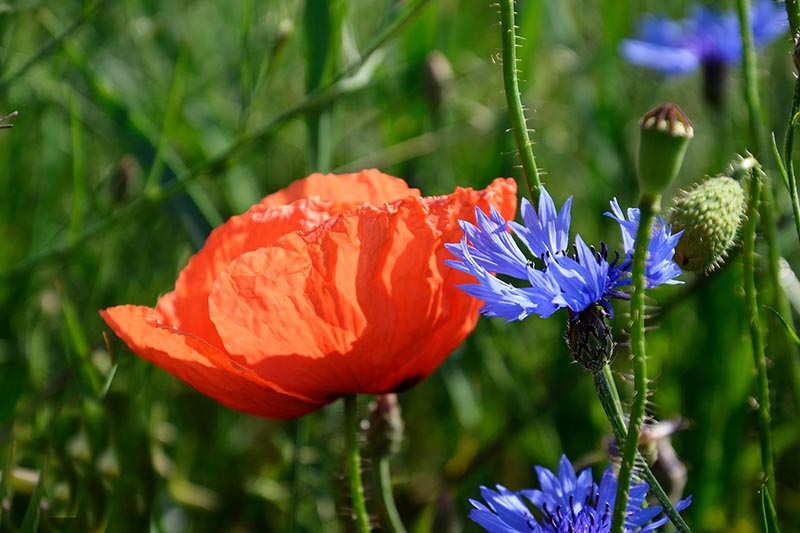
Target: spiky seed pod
(709, 214)
(590, 339)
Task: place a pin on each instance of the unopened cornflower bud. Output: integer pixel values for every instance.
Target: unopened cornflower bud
(665, 135)
(385, 433)
(709, 214)
(590, 339)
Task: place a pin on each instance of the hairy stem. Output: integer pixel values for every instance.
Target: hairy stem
(609, 399)
(648, 206)
(519, 126)
(354, 464)
(756, 334)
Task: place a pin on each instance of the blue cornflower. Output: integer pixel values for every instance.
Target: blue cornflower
(706, 38)
(556, 278)
(568, 503)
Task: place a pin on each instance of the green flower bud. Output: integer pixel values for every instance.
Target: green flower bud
(709, 214)
(665, 135)
(589, 338)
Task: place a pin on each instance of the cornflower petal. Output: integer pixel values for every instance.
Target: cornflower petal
(660, 268)
(566, 281)
(493, 246)
(666, 59)
(502, 299)
(567, 503)
(583, 281)
(505, 512)
(705, 37)
(545, 233)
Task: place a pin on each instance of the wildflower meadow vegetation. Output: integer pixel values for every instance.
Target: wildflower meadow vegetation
(405, 266)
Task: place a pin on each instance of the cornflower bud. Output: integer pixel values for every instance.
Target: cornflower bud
(709, 214)
(589, 338)
(665, 135)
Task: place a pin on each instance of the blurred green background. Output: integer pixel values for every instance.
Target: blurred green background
(143, 124)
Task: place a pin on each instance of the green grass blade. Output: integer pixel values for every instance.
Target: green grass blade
(30, 522)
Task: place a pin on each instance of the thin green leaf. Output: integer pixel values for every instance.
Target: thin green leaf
(789, 329)
(769, 518)
(779, 160)
(30, 522)
(5, 484)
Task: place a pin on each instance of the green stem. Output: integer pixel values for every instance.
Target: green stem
(648, 206)
(790, 179)
(759, 133)
(383, 478)
(354, 464)
(793, 12)
(609, 399)
(788, 145)
(756, 334)
(750, 79)
(299, 440)
(519, 126)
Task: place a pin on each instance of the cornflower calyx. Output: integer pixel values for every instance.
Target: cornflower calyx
(590, 339)
(709, 214)
(665, 135)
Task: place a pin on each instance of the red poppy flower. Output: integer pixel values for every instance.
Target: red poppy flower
(332, 286)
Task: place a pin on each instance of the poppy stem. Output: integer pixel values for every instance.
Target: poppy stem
(648, 207)
(354, 464)
(609, 399)
(516, 112)
(756, 333)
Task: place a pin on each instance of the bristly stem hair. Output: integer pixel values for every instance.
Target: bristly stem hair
(756, 334)
(354, 464)
(648, 208)
(609, 399)
(519, 126)
(758, 131)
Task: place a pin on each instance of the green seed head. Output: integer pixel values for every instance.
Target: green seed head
(709, 214)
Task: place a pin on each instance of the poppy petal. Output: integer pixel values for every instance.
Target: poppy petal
(347, 191)
(258, 227)
(458, 312)
(202, 366)
(337, 310)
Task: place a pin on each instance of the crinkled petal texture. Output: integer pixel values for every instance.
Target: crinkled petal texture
(361, 304)
(306, 302)
(202, 365)
(347, 191)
